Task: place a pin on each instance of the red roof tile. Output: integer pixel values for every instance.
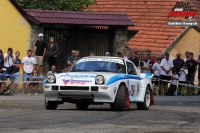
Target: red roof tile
(150, 18)
(80, 18)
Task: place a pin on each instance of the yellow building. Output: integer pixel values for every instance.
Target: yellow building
(14, 28)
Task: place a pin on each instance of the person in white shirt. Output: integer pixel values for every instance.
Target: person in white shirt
(182, 79)
(186, 56)
(28, 65)
(53, 70)
(166, 73)
(156, 71)
(9, 60)
(174, 83)
(145, 64)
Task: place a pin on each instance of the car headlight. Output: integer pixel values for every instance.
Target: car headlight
(99, 80)
(51, 79)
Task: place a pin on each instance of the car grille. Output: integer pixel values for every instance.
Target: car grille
(85, 88)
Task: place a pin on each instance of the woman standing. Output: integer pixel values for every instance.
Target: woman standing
(52, 51)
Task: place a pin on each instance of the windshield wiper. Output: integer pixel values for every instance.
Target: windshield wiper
(78, 70)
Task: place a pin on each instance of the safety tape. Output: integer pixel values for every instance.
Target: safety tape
(23, 76)
(177, 83)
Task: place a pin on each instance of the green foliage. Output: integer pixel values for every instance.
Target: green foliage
(70, 5)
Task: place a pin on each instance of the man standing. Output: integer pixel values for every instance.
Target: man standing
(186, 56)
(1, 71)
(69, 60)
(76, 58)
(178, 62)
(17, 65)
(28, 65)
(148, 52)
(135, 59)
(166, 72)
(145, 65)
(192, 67)
(9, 60)
(128, 55)
(107, 54)
(40, 51)
(92, 53)
(119, 54)
(162, 55)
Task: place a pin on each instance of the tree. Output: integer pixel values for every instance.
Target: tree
(70, 5)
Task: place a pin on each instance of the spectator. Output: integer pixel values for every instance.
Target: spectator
(69, 59)
(65, 70)
(76, 58)
(17, 65)
(174, 82)
(52, 52)
(148, 52)
(182, 79)
(40, 51)
(186, 56)
(28, 65)
(156, 70)
(135, 60)
(107, 54)
(34, 84)
(119, 54)
(192, 67)
(145, 65)
(128, 55)
(166, 73)
(92, 53)
(1, 71)
(8, 65)
(162, 55)
(178, 62)
(53, 70)
(198, 61)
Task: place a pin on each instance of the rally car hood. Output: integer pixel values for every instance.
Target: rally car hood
(81, 78)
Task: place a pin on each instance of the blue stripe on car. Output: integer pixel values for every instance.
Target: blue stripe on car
(121, 77)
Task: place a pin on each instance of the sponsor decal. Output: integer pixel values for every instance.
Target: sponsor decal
(119, 61)
(132, 90)
(128, 83)
(78, 76)
(138, 88)
(115, 89)
(184, 10)
(72, 81)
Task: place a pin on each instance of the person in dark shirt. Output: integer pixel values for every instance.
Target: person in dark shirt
(148, 52)
(40, 51)
(178, 62)
(52, 52)
(192, 67)
(135, 60)
(76, 58)
(119, 54)
(1, 70)
(198, 61)
(17, 65)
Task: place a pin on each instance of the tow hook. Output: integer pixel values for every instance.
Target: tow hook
(58, 97)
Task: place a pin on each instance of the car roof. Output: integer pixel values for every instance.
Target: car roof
(109, 57)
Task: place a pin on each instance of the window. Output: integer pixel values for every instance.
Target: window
(131, 69)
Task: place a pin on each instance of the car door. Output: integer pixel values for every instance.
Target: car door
(133, 81)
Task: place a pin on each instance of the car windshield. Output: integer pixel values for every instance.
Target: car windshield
(99, 66)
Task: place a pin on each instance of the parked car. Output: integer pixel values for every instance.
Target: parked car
(97, 80)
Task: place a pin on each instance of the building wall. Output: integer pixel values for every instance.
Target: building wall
(14, 29)
(189, 42)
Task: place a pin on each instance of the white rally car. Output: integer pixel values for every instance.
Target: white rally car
(98, 80)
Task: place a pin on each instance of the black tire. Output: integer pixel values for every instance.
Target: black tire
(82, 106)
(50, 105)
(120, 98)
(146, 104)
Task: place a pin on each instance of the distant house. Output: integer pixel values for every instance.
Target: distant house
(150, 30)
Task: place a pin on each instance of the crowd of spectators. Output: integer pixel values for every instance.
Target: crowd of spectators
(178, 72)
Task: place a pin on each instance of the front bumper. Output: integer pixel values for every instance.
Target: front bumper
(73, 94)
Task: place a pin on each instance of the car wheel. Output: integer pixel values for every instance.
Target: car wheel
(50, 105)
(146, 104)
(82, 106)
(118, 105)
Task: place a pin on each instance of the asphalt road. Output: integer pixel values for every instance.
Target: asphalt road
(26, 114)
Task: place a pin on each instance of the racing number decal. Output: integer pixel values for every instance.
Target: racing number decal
(132, 90)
